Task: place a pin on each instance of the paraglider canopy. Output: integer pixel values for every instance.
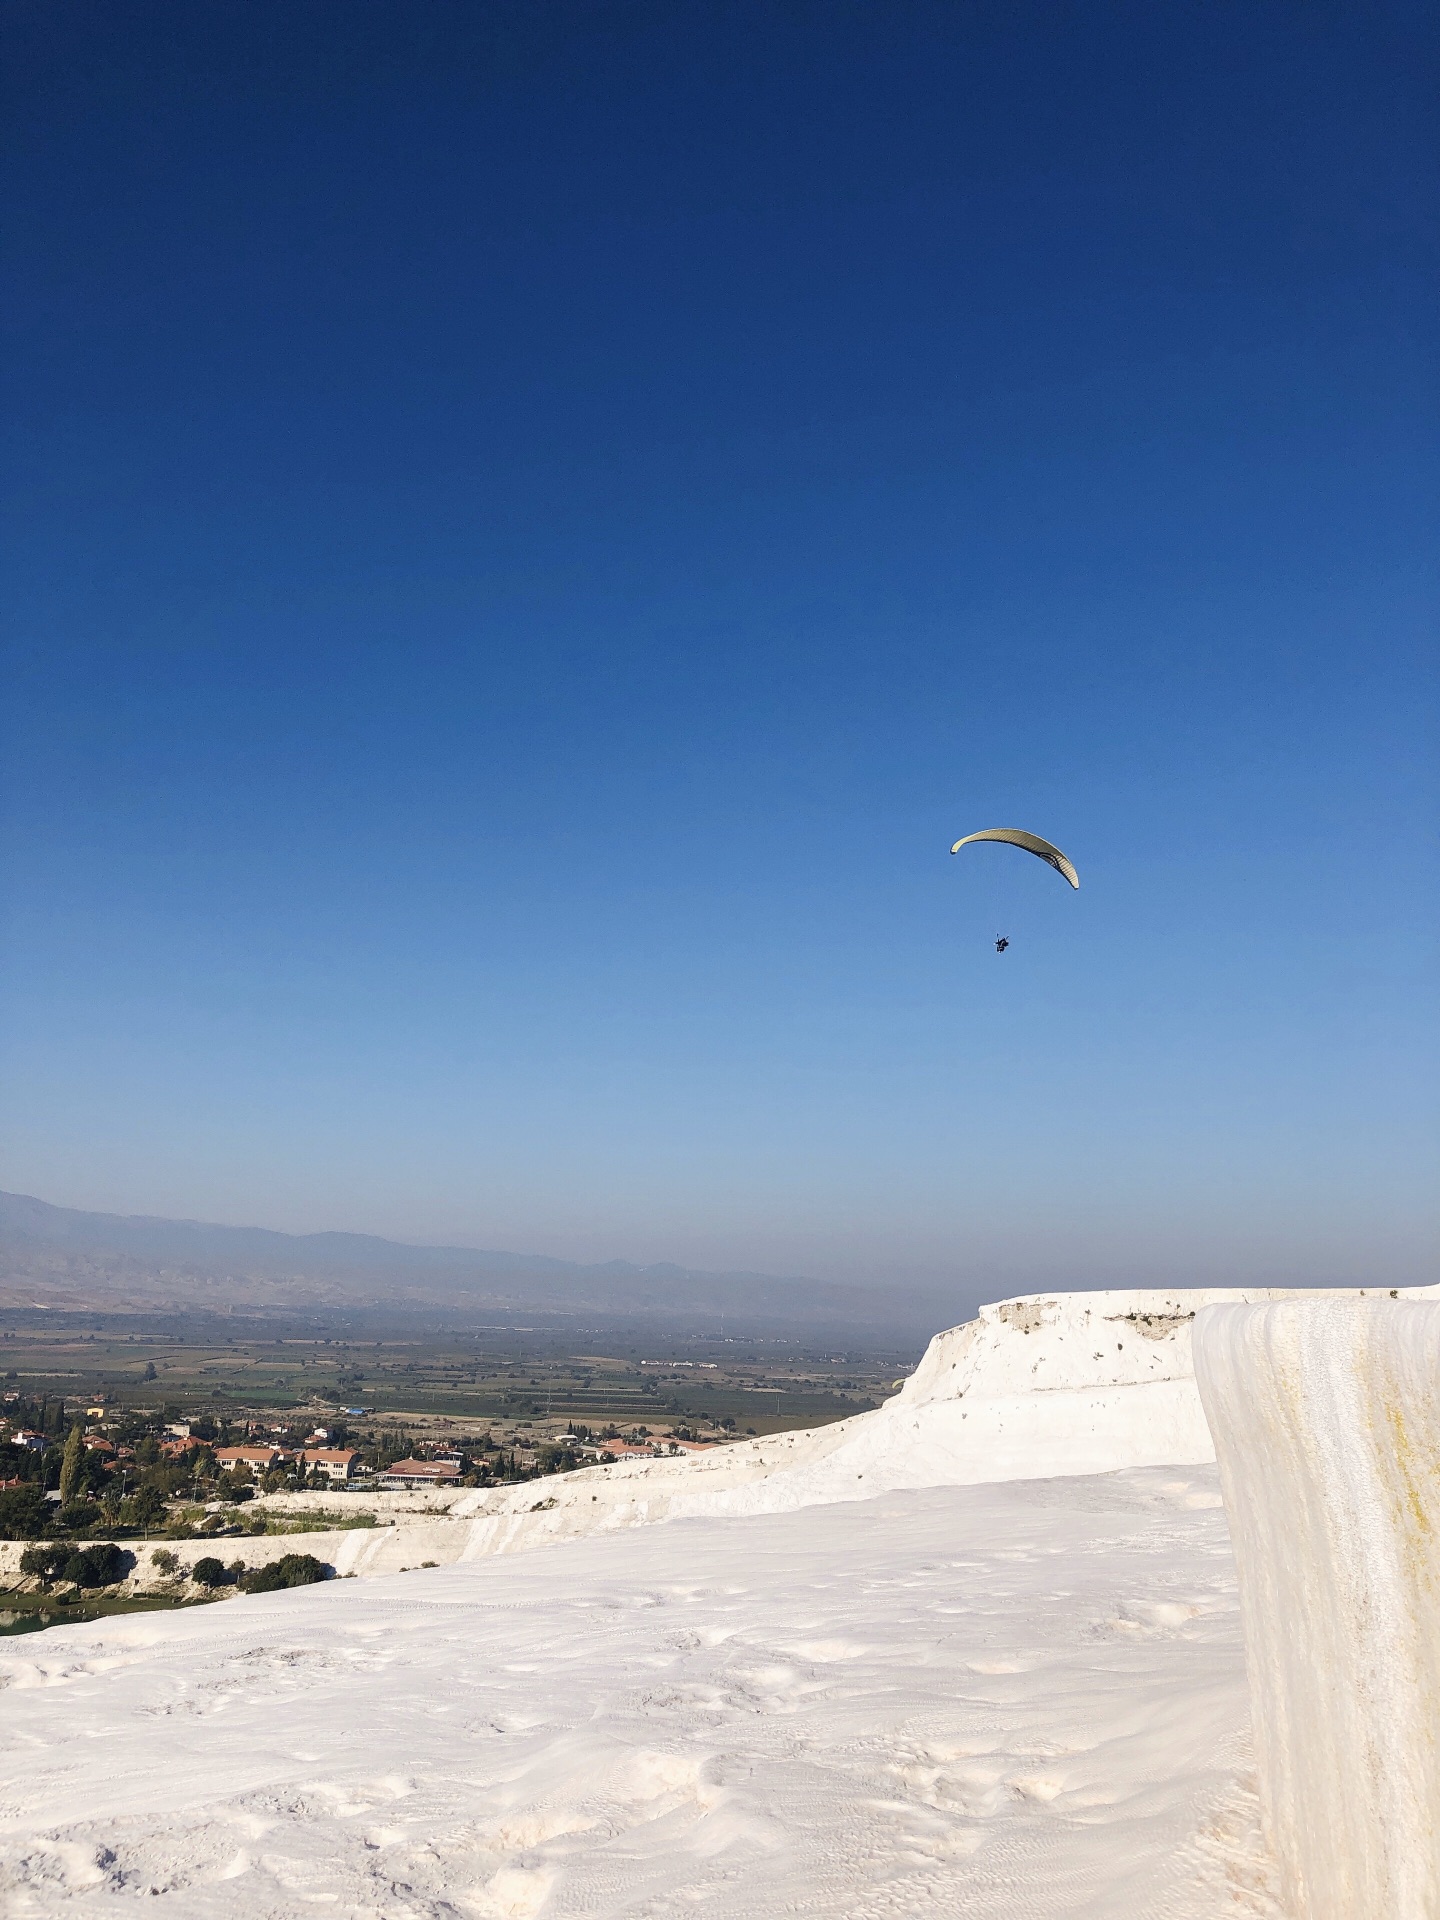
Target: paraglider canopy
(1031, 842)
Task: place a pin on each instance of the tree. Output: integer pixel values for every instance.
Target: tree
(24, 1513)
(72, 1467)
(144, 1508)
(290, 1570)
(208, 1572)
(165, 1562)
(44, 1562)
(98, 1566)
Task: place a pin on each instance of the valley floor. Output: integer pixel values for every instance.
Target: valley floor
(1013, 1702)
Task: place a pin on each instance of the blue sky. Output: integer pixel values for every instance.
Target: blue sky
(532, 529)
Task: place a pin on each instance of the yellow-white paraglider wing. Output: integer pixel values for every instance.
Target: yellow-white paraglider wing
(1031, 842)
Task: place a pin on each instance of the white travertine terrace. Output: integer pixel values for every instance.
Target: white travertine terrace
(1326, 1416)
(850, 1678)
(1037, 1387)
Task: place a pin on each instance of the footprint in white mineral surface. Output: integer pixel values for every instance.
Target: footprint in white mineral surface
(347, 1800)
(377, 1839)
(514, 1893)
(521, 1833)
(975, 1791)
(139, 1857)
(1043, 1787)
(692, 1697)
(69, 1865)
(1147, 1617)
(824, 1652)
(593, 1820)
(645, 1776)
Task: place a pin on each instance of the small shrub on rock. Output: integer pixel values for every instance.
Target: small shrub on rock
(209, 1572)
(44, 1563)
(164, 1562)
(98, 1566)
(290, 1570)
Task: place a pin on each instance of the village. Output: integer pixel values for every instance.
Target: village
(127, 1445)
(84, 1486)
(81, 1467)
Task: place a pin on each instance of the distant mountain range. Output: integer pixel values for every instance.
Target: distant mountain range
(60, 1257)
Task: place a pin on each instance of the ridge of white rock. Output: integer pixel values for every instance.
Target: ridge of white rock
(1041, 1386)
(1326, 1416)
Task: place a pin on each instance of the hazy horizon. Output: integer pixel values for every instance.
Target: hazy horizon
(532, 531)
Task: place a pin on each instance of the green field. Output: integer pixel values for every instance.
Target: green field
(506, 1378)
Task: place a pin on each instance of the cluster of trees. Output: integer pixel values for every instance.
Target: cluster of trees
(93, 1494)
(484, 1461)
(53, 1418)
(103, 1564)
(97, 1566)
(290, 1570)
(103, 1492)
(100, 1493)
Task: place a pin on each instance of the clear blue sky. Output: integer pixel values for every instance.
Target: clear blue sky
(530, 530)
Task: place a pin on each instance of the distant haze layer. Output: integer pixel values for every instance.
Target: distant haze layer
(65, 1258)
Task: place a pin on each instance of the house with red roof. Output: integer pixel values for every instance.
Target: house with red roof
(336, 1463)
(421, 1473)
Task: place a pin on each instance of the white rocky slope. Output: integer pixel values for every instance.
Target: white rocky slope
(1019, 1702)
(847, 1680)
(1048, 1384)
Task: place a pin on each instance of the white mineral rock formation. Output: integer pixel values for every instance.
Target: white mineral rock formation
(1021, 1702)
(850, 1679)
(1047, 1385)
(1326, 1415)
(1050, 1384)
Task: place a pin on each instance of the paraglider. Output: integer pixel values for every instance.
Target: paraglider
(1031, 843)
(1028, 843)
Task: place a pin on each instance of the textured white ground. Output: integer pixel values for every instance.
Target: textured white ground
(1015, 1700)
(977, 1652)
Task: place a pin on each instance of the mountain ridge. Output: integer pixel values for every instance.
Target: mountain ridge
(123, 1262)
